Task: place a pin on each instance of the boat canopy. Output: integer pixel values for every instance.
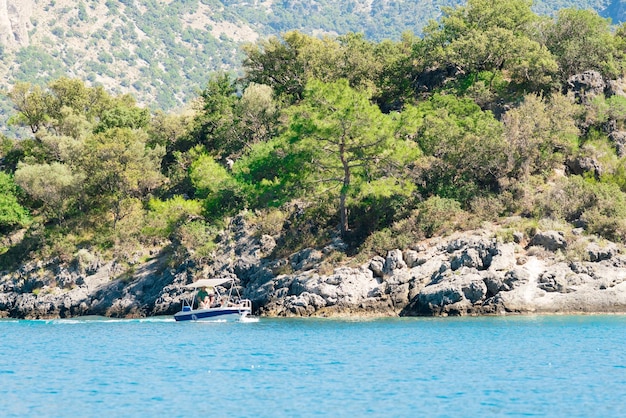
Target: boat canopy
(208, 283)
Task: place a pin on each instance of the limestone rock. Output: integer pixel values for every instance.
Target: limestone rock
(450, 293)
(586, 85)
(503, 258)
(511, 280)
(619, 139)
(468, 258)
(394, 261)
(581, 165)
(306, 259)
(267, 244)
(412, 258)
(15, 22)
(467, 274)
(551, 282)
(377, 265)
(550, 240)
(597, 253)
(617, 87)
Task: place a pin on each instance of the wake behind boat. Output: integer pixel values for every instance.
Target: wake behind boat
(212, 305)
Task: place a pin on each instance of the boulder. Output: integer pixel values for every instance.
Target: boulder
(586, 86)
(503, 258)
(412, 258)
(377, 265)
(617, 87)
(550, 240)
(582, 165)
(597, 253)
(394, 261)
(619, 139)
(468, 258)
(267, 244)
(306, 259)
(451, 293)
(551, 282)
(512, 279)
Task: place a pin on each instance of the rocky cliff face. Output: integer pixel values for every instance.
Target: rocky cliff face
(471, 273)
(15, 22)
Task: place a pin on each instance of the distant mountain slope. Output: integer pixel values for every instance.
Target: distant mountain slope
(162, 51)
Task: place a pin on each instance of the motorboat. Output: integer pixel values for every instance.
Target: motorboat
(227, 306)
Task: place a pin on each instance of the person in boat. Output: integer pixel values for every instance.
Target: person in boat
(206, 297)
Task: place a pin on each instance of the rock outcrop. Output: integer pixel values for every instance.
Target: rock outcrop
(587, 85)
(466, 274)
(15, 22)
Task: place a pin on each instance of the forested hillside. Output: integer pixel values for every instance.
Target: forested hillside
(162, 51)
(496, 112)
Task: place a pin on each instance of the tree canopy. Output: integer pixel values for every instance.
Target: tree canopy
(373, 143)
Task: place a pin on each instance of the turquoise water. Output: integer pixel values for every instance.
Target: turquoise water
(450, 367)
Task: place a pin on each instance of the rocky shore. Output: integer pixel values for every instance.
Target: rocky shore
(470, 273)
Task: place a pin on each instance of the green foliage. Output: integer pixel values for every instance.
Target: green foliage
(491, 36)
(164, 217)
(349, 140)
(465, 147)
(270, 221)
(379, 205)
(221, 193)
(289, 63)
(439, 215)
(581, 41)
(602, 110)
(12, 214)
(540, 134)
(216, 123)
(273, 173)
(196, 241)
(208, 176)
(53, 185)
(384, 240)
(118, 165)
(59, 106)
(385, 142)
(306, 226)
(601, 207)
(30, 102)
(123, 116)
(275, 63)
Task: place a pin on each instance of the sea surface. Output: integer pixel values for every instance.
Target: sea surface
(554, 366)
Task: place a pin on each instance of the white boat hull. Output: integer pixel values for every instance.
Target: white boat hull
(231, 313)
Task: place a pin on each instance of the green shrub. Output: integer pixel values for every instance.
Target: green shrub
(609, 223)
(270, 221)
(488, 208)
(505, 235)
(223, 195)
(165, 216)
(438, 216)
(195, 240)
(306, 227)
(12, 214)
(400, 235)
(600, 206)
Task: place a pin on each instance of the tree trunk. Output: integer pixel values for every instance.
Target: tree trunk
(343, 209)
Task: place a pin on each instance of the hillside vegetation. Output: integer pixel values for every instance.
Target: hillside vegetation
(494, 112)
(161, 50)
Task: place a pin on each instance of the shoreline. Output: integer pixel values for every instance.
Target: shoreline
(339, 318)
(467, 274)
